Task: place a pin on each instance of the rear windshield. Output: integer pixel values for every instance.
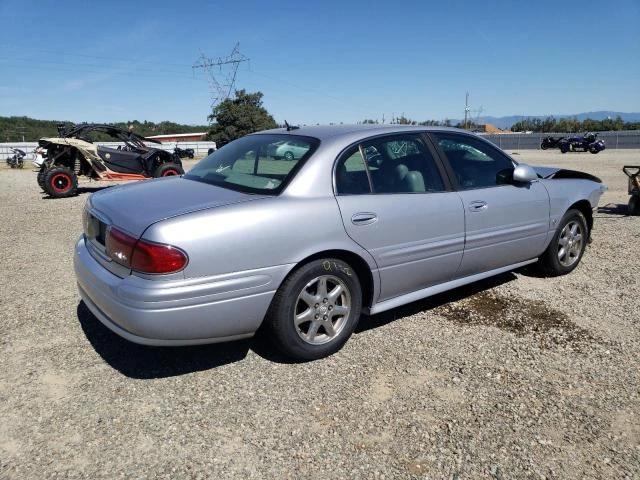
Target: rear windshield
(256, 163)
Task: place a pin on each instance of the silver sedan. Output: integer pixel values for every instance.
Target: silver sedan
(367, 219)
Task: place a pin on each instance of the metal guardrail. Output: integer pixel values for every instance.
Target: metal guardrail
(508, 141)
(531, 141)
(200, 148)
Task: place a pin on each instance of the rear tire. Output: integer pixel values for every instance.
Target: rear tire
(633, 208)
(315, 310)
(41, 174)
(60, 182)
(168, 170)
(567, 245)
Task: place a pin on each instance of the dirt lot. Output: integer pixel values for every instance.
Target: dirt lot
(516, 377)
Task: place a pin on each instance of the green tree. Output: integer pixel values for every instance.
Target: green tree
(402, 120)
(236, 117)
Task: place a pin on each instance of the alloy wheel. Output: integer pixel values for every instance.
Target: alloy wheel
(570, 243)
(322, 309)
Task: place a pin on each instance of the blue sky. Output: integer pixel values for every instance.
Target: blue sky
(319, 62)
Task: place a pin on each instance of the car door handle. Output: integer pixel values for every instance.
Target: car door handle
(478, 206)
(364, 218)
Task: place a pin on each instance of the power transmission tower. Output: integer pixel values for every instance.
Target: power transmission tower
(21, 131)
(467, 109)
(222, 72)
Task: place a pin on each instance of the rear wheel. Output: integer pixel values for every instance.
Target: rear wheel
(168, 170)
(60, 182)
(633, 207)
(41, 174)
(567, 245)
(288, 156)
(315, 310)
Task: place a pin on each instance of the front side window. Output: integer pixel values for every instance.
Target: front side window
(475, 163)
(255, 163)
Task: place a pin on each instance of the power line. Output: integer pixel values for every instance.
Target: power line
(97, 57)
(221, 85)
(89, 68)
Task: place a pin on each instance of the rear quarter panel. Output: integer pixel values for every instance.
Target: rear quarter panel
(263, 233)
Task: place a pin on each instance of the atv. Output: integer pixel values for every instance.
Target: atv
(586, 143)
(73, 153)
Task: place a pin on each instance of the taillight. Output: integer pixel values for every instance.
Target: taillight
(157, 258)
(143, 256)
(120, 246)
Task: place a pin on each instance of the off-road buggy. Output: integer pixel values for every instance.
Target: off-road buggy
(74, 153)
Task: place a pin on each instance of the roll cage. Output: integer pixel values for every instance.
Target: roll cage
(132, 140)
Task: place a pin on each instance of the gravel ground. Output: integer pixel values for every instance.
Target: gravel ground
(515, 377)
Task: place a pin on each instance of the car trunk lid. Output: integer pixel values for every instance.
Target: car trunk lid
(134, 207)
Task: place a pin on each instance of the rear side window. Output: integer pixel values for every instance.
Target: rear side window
(351, 173)
(393, 164)
(475, 163)
(256, 163)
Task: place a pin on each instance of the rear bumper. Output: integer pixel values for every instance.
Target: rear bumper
(176, 312)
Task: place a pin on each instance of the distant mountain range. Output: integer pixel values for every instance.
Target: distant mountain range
(507, 122)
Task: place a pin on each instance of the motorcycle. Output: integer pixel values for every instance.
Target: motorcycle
(550, 142)
(183, 152)
(17, 159)
(587, 143)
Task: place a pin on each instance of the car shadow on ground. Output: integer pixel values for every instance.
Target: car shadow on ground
(430, 303)
(143, 362)
(614, 209)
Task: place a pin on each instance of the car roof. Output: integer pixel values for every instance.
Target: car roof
(325, 132)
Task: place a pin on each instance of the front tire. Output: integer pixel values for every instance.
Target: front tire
(315, 310)
(61, 182)
(567, 245)
(288, 156)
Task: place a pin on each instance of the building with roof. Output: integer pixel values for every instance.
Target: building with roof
(180, 137)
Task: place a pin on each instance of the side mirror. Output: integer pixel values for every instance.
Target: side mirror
(523, 173)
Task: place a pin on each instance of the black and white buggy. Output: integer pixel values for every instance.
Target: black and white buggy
(73, 153)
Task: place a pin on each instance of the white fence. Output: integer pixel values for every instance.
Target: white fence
(199, 148)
